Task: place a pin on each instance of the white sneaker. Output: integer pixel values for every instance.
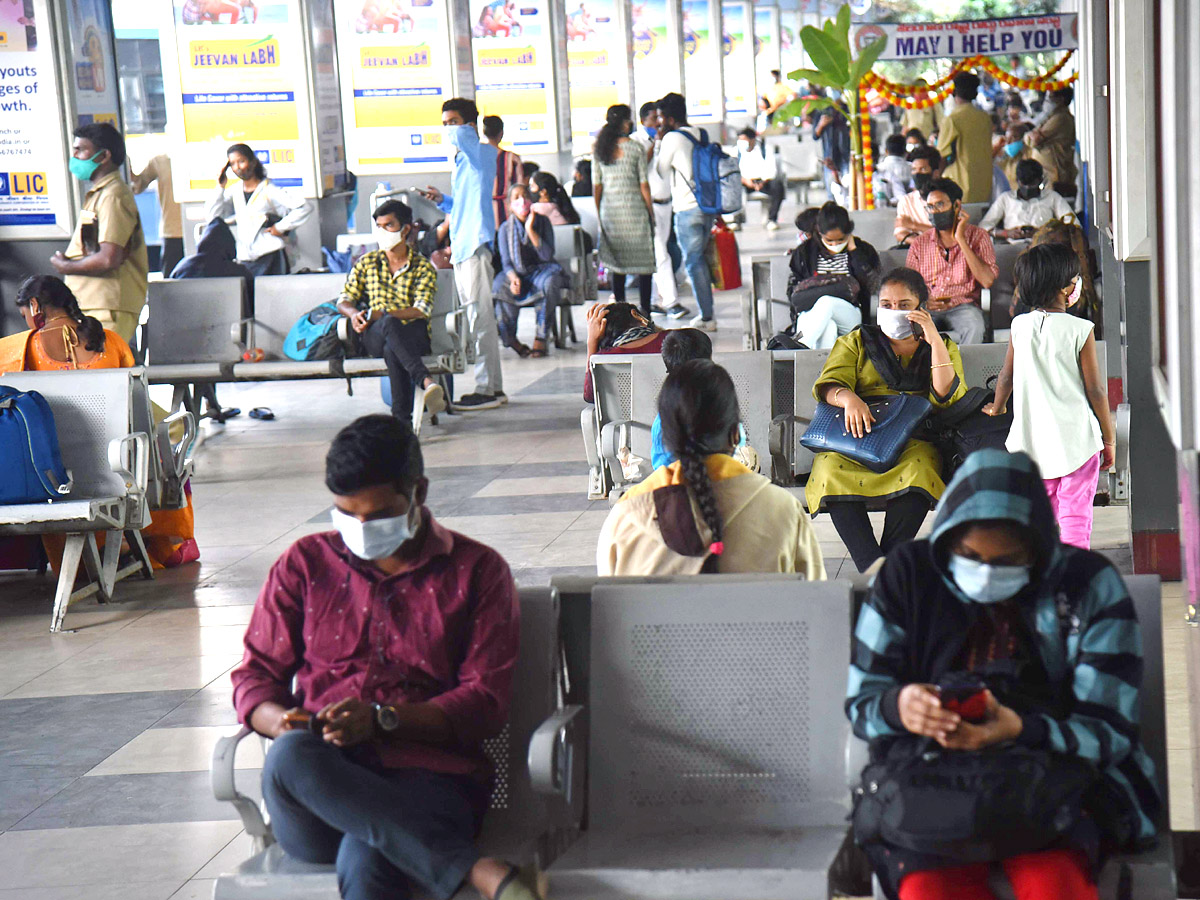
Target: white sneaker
(772, 226)
(703, 324)
(432, 400)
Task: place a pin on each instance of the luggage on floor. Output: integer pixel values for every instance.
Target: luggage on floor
(33, 470)
(723, 259)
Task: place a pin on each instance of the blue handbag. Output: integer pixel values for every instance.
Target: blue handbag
(33, 470)
(896, 419)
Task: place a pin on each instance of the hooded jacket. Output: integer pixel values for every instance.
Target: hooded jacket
(657, 529)
(215, 256)
(1076, 608)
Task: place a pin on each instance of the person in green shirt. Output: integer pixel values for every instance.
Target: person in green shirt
(965, 142)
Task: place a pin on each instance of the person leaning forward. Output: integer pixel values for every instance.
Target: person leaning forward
(105, 265)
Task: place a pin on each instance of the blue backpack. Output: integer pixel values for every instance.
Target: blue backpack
(33, 470)
(314, 336)
(716, 177)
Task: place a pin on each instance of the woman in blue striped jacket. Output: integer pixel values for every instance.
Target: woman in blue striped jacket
(1051, 630)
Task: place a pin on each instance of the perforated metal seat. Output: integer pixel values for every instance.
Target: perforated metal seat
(713, 729)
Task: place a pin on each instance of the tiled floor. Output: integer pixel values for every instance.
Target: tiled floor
(104, 790)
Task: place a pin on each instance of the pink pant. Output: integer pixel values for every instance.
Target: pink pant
(1071, 499)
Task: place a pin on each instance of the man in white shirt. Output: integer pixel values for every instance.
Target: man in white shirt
(760, 173)
(693, 227)
(1026, 209)
(660, 193)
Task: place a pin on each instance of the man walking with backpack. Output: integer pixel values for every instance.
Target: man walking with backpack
(693, 227)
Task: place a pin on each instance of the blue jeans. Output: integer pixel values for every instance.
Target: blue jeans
(383, 828)
(693, 229)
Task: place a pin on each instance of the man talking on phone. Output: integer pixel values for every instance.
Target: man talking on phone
(105, 265)
(379, 658)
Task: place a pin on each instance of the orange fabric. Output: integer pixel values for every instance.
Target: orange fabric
(116, 355)
(1045, 875)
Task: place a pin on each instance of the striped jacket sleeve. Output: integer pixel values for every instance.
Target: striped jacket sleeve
(877, 660)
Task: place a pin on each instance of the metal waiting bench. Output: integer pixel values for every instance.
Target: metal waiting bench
(198, 330)
(101, 417)
(714, 729)
(524, 824)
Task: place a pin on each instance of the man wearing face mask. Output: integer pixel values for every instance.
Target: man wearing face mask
(388, 299)
(911, 217)
(379, 658)
(105, 265)
(1048, 631)
(759, 172)
(472, 231)
(957, 260)
(1053, 142)
(1028, 208)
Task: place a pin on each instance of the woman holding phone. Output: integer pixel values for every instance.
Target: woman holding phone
(903, 354)
(265, 215)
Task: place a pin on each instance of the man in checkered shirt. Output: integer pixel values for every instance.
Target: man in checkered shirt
(388, 298)
(957, 260)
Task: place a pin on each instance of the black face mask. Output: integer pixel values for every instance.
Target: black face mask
(921, 180)
(1029, 191)
(943, 221)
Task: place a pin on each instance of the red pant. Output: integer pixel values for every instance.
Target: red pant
(1045, 875)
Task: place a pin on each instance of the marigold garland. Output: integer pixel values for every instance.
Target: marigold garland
(967, 63)
(868, 160)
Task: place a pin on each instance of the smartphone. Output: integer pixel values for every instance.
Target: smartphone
(305, 720)
(918, 331)
(966, 696)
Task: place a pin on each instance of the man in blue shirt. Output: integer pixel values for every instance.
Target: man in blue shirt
(472, 231)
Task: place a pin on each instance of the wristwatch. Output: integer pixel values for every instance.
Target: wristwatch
(387, 719)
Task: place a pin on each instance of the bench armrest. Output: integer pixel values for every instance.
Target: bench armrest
(129, 457)
(225, 789)
(985, 302)
(181, 459)
(781, 442)
(557, 758)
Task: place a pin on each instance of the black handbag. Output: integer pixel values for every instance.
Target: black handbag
(896, 420)
(980, 806)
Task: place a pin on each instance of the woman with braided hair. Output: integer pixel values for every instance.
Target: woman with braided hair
(60, 336)
(706, 512)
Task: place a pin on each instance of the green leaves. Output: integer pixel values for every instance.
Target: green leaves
(802, 106)
(828, 54)
(813, 76)
(866, 59)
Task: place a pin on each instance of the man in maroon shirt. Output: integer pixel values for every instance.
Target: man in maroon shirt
(379, 657)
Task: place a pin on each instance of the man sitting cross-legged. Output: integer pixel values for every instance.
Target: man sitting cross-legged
(379, 657)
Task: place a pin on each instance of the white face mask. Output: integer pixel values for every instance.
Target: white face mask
(985, 583)
(836, 247)
(387, 239)
(911, 147)
(451, 133)
(376, 538)
(894, 323)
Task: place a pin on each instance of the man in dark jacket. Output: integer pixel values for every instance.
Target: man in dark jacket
(215, 257)
(1050, 629)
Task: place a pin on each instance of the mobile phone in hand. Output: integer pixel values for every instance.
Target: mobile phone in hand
(966, 696)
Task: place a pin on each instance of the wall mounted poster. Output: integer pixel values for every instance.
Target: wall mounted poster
(239, 75)
(93, 68)
(655, 51)
(766, 47)
(35, 196)
(738, 42)
(597, 67)
(397, 71)
(514, 70)
(701, 58)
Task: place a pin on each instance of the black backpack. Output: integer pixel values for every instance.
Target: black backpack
(963, 428)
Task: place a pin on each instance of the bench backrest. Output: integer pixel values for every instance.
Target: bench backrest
(984, 361)
(280, 301)
(425, 210)
(445, 301)
(190, 320)
(91, 407)
(515, 807)
(707, 712)
(589, 220)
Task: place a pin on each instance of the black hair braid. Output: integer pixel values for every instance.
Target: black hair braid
(89, 327)
(695, 473)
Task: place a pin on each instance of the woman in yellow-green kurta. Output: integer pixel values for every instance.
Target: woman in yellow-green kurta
(876, 361)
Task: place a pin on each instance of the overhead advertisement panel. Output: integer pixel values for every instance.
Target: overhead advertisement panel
(738, 42)
(240, 76)
(701, 58)
(596, 66)
(35, 195)
(514, 70)
(655, 50)
(397, 70)
(766, 47)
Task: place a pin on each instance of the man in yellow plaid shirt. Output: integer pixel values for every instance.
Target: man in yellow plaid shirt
(388, 298)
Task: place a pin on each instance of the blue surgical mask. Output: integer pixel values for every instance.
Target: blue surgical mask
(743, 440)
(985, 583)
(451, 133)
(652, 131)
(1014, 148)
(376, 538)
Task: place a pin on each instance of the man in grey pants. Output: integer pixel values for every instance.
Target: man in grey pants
(472, 230)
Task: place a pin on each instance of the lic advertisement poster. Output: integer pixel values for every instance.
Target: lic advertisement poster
(766, 47)
(596, 67)
(514, 71)
(739, 59)
(35, 198)
(701, 58)
(397, 70)
(242, 78)
(655, 54)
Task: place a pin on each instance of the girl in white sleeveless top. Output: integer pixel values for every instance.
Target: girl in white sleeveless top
(1060, 404)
